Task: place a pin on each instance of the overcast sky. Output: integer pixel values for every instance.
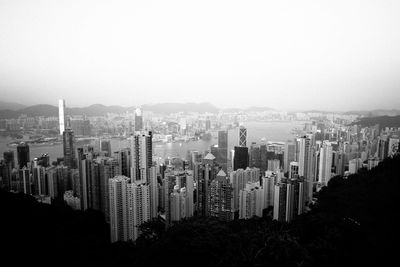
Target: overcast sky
(333, 55)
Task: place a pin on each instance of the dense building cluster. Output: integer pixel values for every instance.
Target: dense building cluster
(131, 186)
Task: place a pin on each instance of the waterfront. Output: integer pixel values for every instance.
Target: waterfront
(270, 131)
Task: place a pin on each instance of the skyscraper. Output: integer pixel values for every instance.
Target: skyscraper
(61, 115)
(138, 120)
(220, 198)
(138, 207)
(141, 154)
(325, 164)
(69, 148)
(119, 208)
(241, 158)
(23, 155)
(251, 201)
(289, 155)
(242, 136)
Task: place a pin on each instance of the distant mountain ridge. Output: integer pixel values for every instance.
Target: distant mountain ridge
(99, 109)
(11, 105)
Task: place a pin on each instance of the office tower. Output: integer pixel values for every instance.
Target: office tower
(223, 139)
(251, 201)
(325, 163)
(181, 200)
(138, 120)
(69, 148)
(241, 158)
(8, 166)
(304, 144)
(107, 168)
(204, 173)
(220, 156)
(23, 155)
(25, 181)
(124, 159)
(169, 183)
(242, 136)
(355, 165)
(220, 196)
(288, 200)
(268, 186)
(153, 186)
(274, 165)
(119, 208)
(39, 181)
(289, 155)
(61, 115)
(263, 158)
(9, 158)
(239, 179)
(294, 170)
(141, 156)
(105, 146)
(255, 156)
(138, 207)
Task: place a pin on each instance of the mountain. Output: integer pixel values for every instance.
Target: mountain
(10, 105)
(374, 113)
(258, 109)
(99, 110)
(167, 108)
(383, 121)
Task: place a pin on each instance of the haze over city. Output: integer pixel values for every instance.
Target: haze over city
(329, 55)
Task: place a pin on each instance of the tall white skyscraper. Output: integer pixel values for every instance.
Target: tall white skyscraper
(119, 212)
(61, 115)
(325, 164)
(138, 207)
(141, 154)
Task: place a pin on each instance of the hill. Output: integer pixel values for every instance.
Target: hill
(10, 105)
(100, 110)
(383, 121)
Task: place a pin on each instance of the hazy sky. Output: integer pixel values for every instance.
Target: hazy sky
(300, 54)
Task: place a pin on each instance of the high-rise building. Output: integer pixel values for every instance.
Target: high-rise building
(239, 179)
(220, 198)
(138, 120)
(105, 146)
(69, 148)
(355, 165)
(25, 181)
(251, 201)
(7, 168)
(241, 158)
(23, 155)
(39, 181)
(289, 155)
(138, 207)
(119, 209)
(124, 159)
(242, 136)
(268, 186)
(255, 156)
(141, 157)
(288, 200)
(325, 164)
(61, 115)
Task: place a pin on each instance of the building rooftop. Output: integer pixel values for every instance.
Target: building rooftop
(209, 156)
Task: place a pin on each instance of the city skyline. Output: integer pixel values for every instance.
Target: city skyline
(286, 55)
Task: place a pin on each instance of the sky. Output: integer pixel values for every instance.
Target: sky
(310, 54)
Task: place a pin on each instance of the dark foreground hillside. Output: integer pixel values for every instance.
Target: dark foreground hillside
(354, 223)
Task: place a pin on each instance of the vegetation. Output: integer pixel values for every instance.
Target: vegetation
(383, 121)
(353, 223)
